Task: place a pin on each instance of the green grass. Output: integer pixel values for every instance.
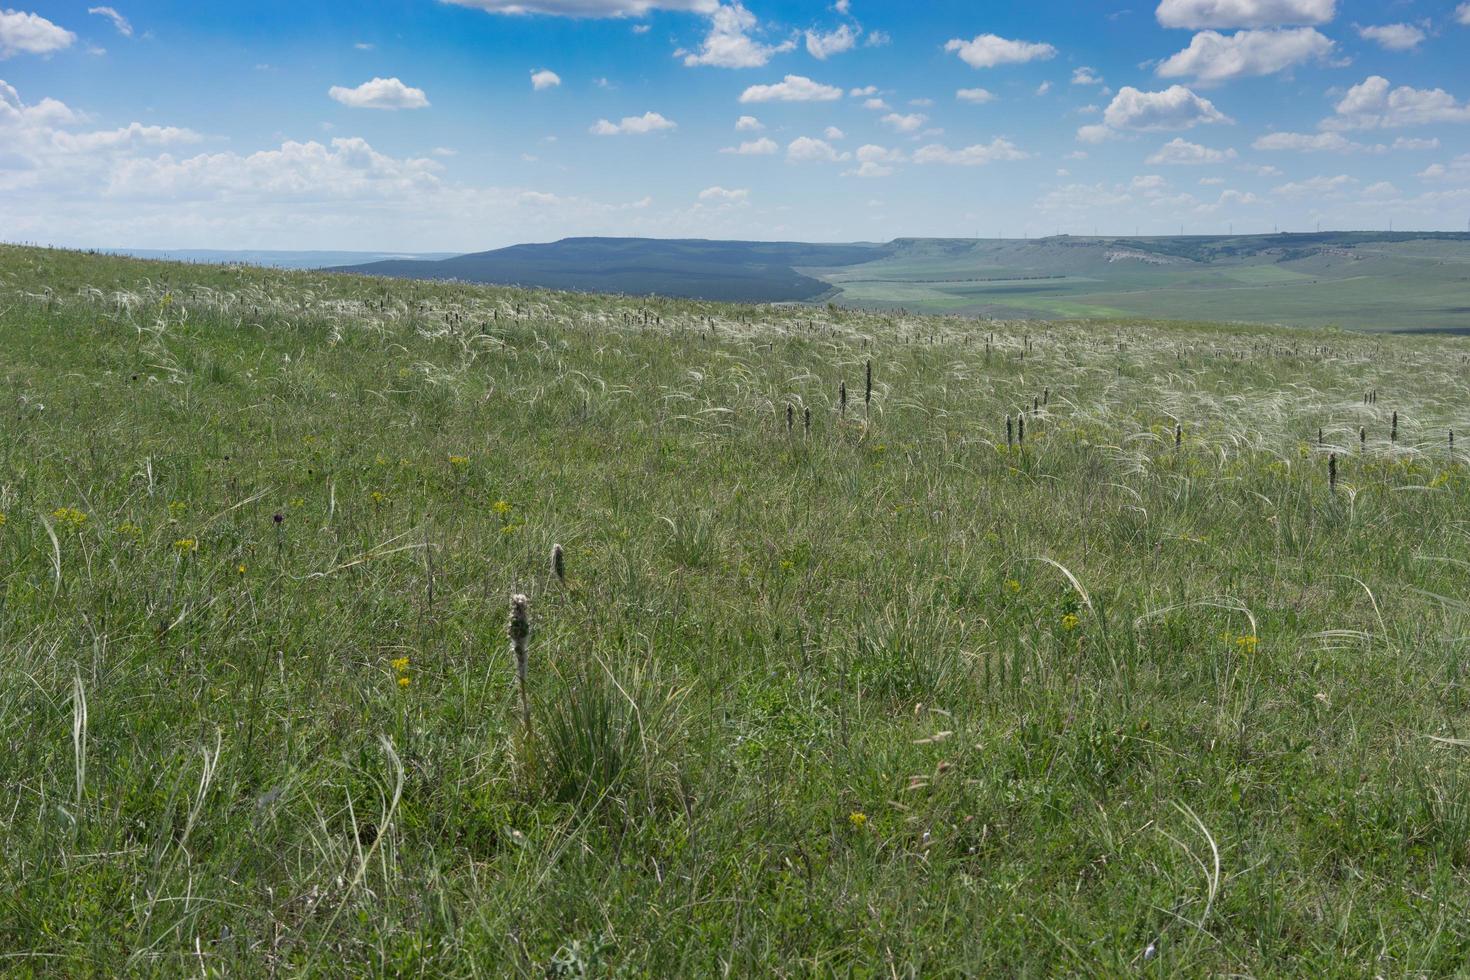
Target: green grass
(1333, 280)
(884, 699)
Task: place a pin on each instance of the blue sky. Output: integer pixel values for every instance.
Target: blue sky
(421, 125)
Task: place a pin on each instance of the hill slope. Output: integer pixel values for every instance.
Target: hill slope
(1361, 280)
(884, 696)
(1367, 280)
(692, 269)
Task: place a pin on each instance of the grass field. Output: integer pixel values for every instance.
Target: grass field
(1354, 281)
(887, 697)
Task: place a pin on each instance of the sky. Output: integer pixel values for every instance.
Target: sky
(460, 125)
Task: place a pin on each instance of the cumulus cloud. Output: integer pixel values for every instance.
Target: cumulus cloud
(1374, 104)
(805, 149)
(976, 96)
(754, 148)
(724, 196)
(990, 50)
(875, 161)
(544, 78)
(1181, 152)
(970, 156)
(877, 105)
(1215, 57)
(380, 93)
(794, 88)
(587, 8)
(23, 33)
(1462, 14)
(1198, 14)
(649, 122)
(1456, 170)
(1393, 37)
(748, 124)
(904, 123)
(1313, 143)
(824, 46)
(119, 22)
(1086, 76)
(729, 44)
(1174, 108)
(1316, 186)
(833, 133)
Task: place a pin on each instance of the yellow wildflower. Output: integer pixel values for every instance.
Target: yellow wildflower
(186, 545)
(1247, 644)
(2, 520)
(1012, 586)
(459, 461)
(404, 681)
(240, 569)
(177, 508)
(1070, 621)
(401, 664)
(501, 507)
(858, 819)
(69, 516)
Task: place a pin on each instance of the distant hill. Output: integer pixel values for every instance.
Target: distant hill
(1361, 280)
(690, 268)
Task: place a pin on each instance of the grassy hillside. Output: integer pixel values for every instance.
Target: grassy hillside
(709, 270)
(1367, 281)
(885, 697)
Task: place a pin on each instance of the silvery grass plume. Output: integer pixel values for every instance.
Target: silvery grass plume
(519, 632)
(559, 563)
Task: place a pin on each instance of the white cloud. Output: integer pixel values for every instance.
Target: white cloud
(729, 44)
(587, 8)
(1408, 143)
(649, 122)
(1132, 110)
(23, 33)
(724, 196)
(444, 151)
(858, 93)
(824, 46)
(990, 50)
(921, 103)
(347, 169)
(805, 149)
(544, 78)
(1211, 181)
(748, 124)
(794, 88)
(119, 22)
(1457, 170)
(1197, 14)
(878, 39)
(1313, 143)
(1462, 14)
(833, 133)
(365, 46)
(1086, 76)
(380, 93)
(970, 156)
(1316, 186)
(875, 161)
(904, 124)
(1043, 88)
(1180, 151)
(1373, 104)
(877, 105)
(1215, 57)
(977, 96)
(754, 148)
(1393, 37)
